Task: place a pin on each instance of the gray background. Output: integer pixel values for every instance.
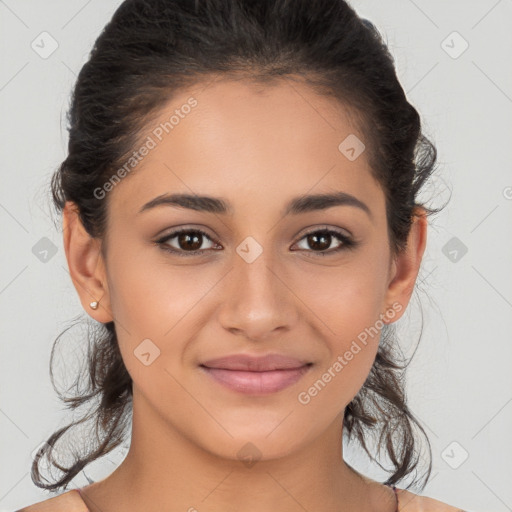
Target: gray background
(460, 381)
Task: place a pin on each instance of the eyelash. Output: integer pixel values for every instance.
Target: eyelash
(347, 242)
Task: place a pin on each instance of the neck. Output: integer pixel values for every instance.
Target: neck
(166, 470)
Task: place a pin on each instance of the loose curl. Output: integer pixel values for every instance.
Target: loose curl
(151, 49)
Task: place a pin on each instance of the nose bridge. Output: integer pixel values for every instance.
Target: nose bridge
(258, 301)
(255, 270)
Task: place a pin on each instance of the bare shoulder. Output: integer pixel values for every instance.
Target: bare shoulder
(410, 502)
(69, 501)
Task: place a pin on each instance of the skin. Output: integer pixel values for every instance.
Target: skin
(257, 148)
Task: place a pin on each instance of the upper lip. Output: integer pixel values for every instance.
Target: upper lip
(245, 362)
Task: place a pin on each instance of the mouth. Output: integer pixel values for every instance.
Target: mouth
(256, 375)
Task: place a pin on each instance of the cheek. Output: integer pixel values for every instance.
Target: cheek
(347, 303)
(157, 302)
(346, 299)
(352, 340)
(148, 296)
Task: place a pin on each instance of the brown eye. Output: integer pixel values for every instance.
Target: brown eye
(189, 241)
(321, 240)
(185, 242)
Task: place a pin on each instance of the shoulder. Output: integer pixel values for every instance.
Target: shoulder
(410, 502)
(69, 501)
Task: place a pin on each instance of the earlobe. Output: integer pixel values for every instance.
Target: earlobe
(407, 264)
(86, 266)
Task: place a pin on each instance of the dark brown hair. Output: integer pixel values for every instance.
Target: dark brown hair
(152, 48)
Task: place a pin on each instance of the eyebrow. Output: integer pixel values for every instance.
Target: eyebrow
(297, 205)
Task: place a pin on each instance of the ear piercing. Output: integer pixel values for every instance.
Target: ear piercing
(94, 304)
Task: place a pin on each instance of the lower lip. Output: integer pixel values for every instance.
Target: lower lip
(256, 383)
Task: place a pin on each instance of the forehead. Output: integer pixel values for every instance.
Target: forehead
(240, 139)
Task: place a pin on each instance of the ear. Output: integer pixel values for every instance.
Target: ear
(86, 265)
(406, 265)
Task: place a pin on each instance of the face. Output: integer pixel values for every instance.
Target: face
(258, 270)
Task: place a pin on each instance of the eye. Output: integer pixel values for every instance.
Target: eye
(322, 239)
(188, 242)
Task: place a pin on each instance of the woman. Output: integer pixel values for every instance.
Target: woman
(240, 215)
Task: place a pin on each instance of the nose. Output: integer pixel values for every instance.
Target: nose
(259, 303)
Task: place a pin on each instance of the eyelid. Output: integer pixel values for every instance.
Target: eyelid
(301, 234)
(324, 227)
(181, 229)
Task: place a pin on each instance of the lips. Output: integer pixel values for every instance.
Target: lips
(245, 362)
(256, 375)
